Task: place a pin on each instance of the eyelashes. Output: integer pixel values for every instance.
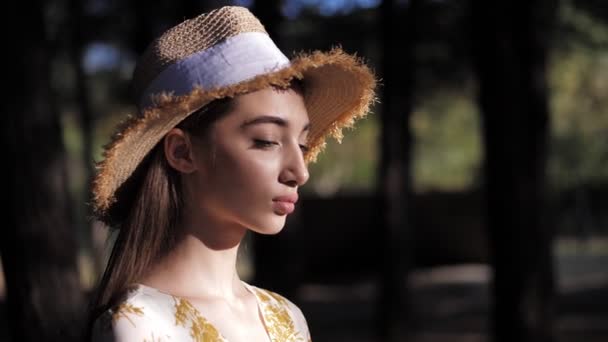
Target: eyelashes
(264, 144)
(267, 144)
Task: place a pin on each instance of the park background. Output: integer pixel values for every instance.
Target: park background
(469, 206)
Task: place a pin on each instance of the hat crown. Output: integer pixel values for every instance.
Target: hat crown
(191, 36)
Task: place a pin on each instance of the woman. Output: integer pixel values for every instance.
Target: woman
(225, 129)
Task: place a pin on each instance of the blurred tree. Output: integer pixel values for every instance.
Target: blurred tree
(77, 52)
(149, 19)
(395, 167)
(269, 13)
(596, 8)
(38, 243)
(144, 20)
(83, 105)
(579, 81)
(511, 44)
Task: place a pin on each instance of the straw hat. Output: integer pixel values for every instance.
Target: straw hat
(224, 53)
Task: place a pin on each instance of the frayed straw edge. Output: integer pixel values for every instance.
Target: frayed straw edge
(359, 110)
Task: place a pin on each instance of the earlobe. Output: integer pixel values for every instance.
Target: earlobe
(178, 151)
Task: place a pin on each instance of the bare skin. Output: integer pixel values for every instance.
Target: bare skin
(234, 180)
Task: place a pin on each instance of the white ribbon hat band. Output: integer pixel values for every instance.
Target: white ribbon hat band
(236, 59)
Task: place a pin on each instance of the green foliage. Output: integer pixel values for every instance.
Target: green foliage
(349, 166)
(578, 81)
(447, 142)
(446, 153)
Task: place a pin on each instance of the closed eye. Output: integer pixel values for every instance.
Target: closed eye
(264, 144)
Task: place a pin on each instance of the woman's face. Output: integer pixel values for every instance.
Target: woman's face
(251, 164)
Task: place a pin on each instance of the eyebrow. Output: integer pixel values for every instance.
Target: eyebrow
(265, 119)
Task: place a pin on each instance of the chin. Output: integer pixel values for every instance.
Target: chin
(271, 226)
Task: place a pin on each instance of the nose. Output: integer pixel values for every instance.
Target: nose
(294, 172)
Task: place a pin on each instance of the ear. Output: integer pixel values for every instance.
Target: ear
(179, 151)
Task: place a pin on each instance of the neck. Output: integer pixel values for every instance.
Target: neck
(202, 262)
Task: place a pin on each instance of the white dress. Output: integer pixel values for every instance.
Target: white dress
(147, 314)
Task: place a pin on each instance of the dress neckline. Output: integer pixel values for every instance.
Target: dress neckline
(250, 288)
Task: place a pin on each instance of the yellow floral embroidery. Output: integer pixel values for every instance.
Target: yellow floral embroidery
(200, 329)
(276, 315)
(124, 309)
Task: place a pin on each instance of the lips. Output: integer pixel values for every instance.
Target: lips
(293, 198)
(284, 205)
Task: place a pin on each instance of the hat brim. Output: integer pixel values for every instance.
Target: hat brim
(339, 89)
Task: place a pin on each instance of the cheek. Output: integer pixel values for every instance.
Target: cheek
(243, 172)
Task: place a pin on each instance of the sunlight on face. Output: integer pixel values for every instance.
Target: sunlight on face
(252, 172)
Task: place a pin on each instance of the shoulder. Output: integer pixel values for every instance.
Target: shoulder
(283, 311)
(140, 316)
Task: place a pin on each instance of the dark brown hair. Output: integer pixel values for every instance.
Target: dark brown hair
(146, 232)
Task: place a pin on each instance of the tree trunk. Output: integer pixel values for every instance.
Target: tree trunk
(38, 243)
(83, 105)
(395, 173)
(510, 50)
(269, 13)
